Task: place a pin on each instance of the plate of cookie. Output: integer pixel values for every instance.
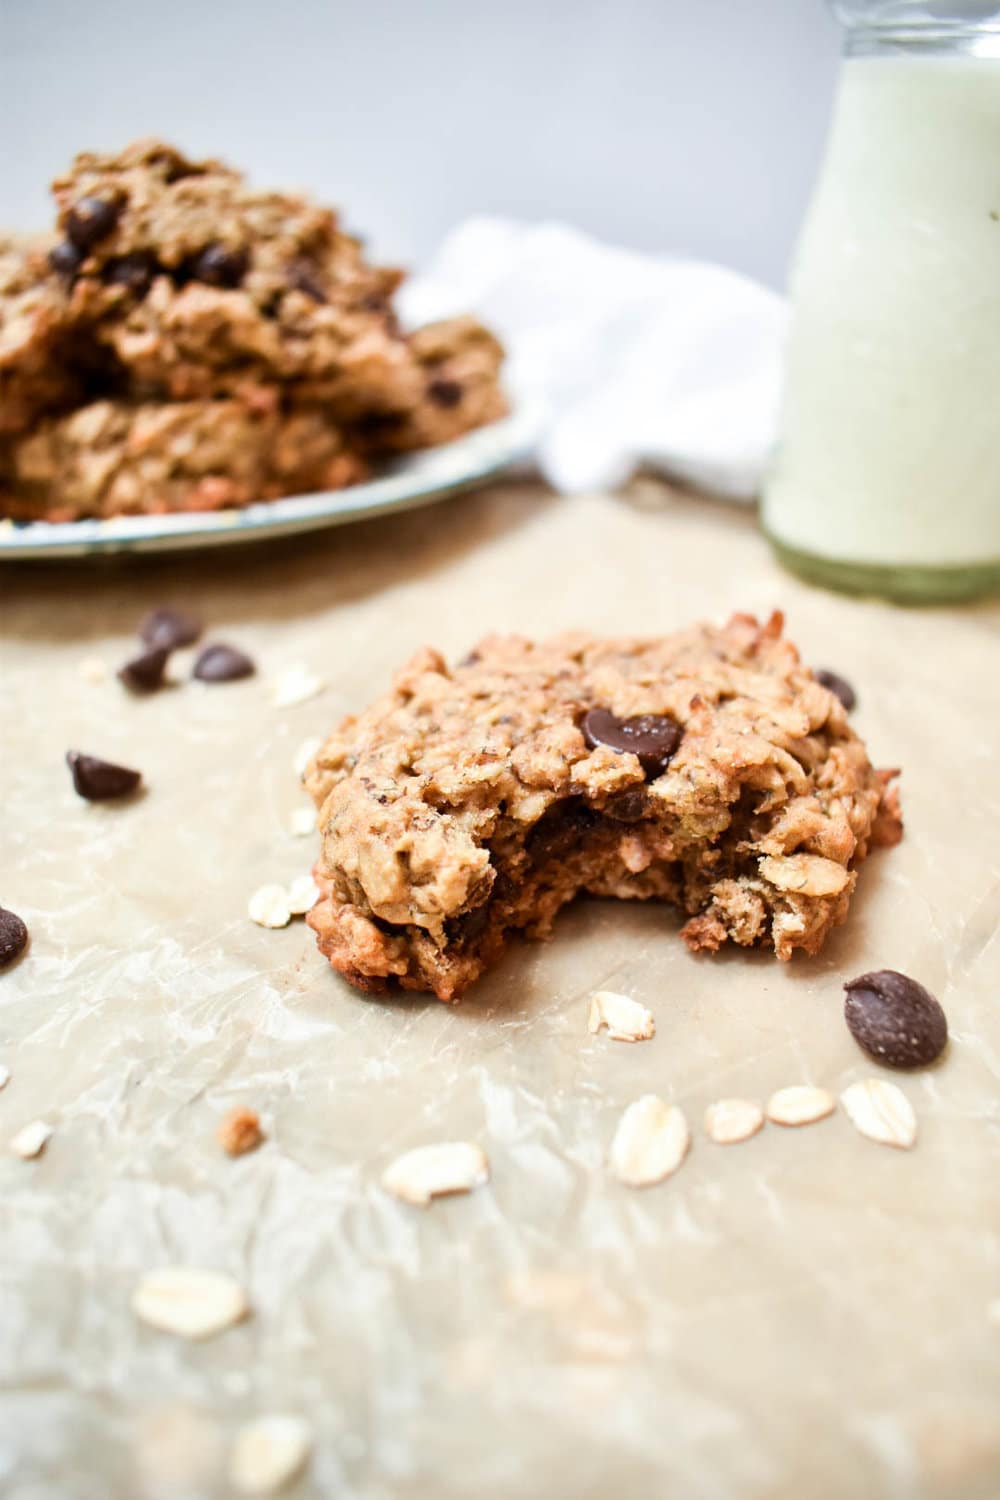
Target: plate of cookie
(187, 361)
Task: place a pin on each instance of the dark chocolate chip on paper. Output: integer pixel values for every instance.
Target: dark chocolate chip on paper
(654, 738)
(221, 663)
(100, 780)
(894, 1019)
(169, 627)
(144, 674)
(13, 937)
(838, 686)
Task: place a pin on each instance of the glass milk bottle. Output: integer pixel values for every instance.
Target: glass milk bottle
(886, 479)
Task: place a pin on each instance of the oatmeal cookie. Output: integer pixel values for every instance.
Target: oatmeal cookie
(709, 770)
(202, 286)
(36, 372)
(458, 388)
(120, 458)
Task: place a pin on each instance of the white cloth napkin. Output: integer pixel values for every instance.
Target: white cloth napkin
(632, 359)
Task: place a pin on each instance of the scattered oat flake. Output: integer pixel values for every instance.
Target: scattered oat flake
(93, 669)
(305, 753)
(800, 1104)
(269, 1453)
(303, 893)
(4, 1075)
(431, 1171)
(882, 1112)
(302, 822)
(239, 1132)
(191, 1303)
(31, 1140)
(297, 684)
(626, 1020)
(650, 1143)
(268, 906)
(729, 1121)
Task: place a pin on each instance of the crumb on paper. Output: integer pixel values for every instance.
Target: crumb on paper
(297, 684)
(881, 1111)
(240, 1131)
(268, 906)
(625, 1019)
(189, 1302)
(268, 1453)
(93, 669)
(800, 1104)
(432, 1171)
(31, 1140)
(305, 753)
(650, 1143)
(302, 822)
(729, 1121)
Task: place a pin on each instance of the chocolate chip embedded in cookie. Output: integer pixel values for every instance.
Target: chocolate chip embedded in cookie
(707, 770)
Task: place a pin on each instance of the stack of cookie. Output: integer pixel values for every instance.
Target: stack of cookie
(186, 342)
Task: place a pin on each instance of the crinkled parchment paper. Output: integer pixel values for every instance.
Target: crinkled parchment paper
(805, 1315)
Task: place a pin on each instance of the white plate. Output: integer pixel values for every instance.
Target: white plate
(414, 480)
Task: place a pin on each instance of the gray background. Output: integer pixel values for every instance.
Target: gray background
(693, 127)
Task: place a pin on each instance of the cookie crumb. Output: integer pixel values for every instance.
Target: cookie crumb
(625, 1019)
(650, 1143)
(297, 684)
(303, 893)
(269, 1453)
(882, 1112)
(302, 822)
(31, 1140)
(730, 1121)
(305, 753)
(190, 1303)
(240, 1131)
(800, 1104)
(432, 1171)
(268, 906)
(93, 669)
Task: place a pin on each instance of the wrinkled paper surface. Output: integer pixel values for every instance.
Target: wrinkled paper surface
(806, 1314)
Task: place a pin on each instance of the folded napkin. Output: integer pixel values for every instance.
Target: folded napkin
(631, 359)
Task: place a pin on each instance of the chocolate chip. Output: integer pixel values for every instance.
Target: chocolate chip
(169, 627)
(559, 829)
(469, 926)
(838, 686)
(895, 1019)
(90, 220)
(144, 674)
(13, 937)
(304, 277)
(223, 664)
(98, 780)
(135, 272)
(652, 737)
(628, 806)
(65, 259)
(446, 393)
(219, 266)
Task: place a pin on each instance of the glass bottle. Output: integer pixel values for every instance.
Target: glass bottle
(886, 479)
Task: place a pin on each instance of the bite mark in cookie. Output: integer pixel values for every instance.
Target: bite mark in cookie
(471, 803)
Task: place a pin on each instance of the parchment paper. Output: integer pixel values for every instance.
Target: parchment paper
(805, 1315)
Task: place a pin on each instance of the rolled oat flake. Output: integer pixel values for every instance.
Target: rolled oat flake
(894, 1019)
